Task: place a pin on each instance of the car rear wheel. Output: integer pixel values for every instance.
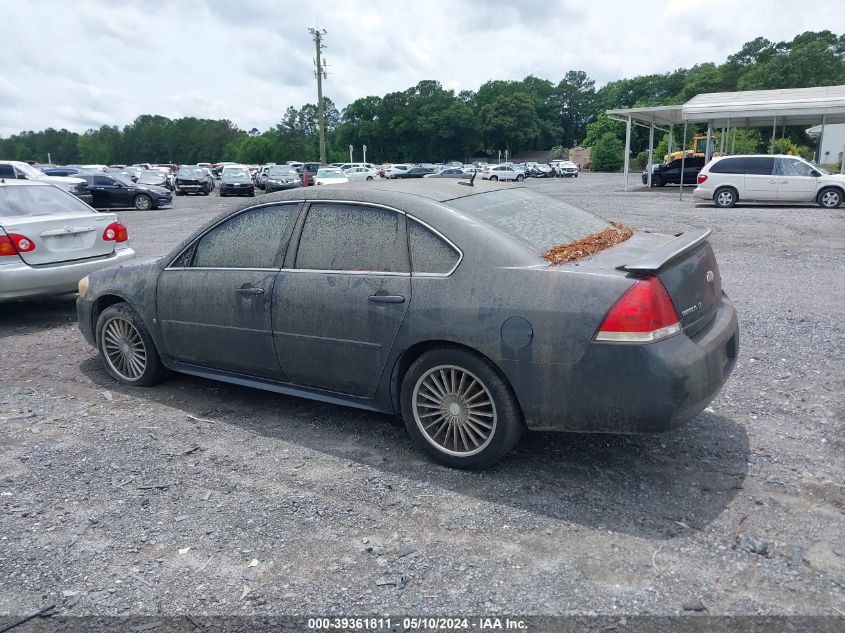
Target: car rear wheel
(725, 197)
(459, 409)
(142, 202)
(127, 348)
(830, 198)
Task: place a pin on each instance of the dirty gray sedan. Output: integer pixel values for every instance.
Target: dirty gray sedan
(431, 300)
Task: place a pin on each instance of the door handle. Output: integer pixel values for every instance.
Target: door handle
(250, 290)
(387, 298)
(773, 182)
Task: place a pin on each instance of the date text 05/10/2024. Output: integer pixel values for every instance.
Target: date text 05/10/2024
(418, 623)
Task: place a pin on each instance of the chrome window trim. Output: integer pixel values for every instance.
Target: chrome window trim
(379, 273)
(214, 226)
(269, 270)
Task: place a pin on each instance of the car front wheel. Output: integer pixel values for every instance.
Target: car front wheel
(520, 177)
(142, 202)
(126, 347)
(830, 198)
(459, 409)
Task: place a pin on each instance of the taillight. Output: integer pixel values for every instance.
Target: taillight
(115, 232)
(644, 314)
(6, 247)
(14, 244)
(701, 178)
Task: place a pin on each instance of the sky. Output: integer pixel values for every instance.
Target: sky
(82, 64)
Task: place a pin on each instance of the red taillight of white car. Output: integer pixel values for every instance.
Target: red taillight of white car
(14, 243)
(115, 232)
(644, 314)
(702, 178)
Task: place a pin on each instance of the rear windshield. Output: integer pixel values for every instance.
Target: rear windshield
(536, 220)
(31, 200)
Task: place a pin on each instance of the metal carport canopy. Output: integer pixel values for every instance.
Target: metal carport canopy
(758, 108)
(750, 108)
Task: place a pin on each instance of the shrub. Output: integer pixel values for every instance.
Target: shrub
(607, 153)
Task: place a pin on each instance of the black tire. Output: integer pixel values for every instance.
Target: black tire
(142, 202)
(520, 177)
(829, 198)
(494, 178)
(369, 177)
(503, 410)
(122, 317)
(656, 181)
(725, 197)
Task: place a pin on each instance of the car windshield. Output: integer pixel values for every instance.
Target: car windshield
(30, 200)
(123, 180)
(190, 172)
(236, 172)
(276, 172)
(331, 173)
(536, 220)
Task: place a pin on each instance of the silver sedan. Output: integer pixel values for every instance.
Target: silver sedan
(49, 240)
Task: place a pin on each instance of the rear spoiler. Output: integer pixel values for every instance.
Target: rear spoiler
(657, 259)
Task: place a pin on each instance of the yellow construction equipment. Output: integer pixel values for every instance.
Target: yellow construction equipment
(699, 148)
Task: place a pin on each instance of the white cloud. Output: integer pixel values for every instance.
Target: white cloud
(99, 62)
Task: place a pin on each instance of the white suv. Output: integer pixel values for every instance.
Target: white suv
(502, 172)
(728, 179)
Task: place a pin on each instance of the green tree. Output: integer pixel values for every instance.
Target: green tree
(510, 122)
(607, 153)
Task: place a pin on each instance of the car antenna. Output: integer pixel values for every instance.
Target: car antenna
(471, 179)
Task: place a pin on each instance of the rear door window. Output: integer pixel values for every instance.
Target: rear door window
(7, 171)
(346, 237)
(759, 165)
(248, 240)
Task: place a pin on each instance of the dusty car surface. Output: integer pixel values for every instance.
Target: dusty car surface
(49, 240)
(431, 300)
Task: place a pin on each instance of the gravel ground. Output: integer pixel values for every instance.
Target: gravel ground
(203, 498)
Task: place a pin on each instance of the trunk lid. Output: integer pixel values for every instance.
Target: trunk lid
(684, 263)
(59, 226)
(62, 238)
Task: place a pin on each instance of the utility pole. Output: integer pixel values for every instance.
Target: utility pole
(320, 72)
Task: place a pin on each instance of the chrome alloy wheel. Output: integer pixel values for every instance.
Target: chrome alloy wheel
(725, 198)
(830, 199)
(124, 349)
(454, 410)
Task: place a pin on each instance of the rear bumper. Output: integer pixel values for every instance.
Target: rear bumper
(21, 281)
(702, 194)
(617, 388)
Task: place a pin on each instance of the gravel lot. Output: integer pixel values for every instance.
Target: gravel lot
(204, 498)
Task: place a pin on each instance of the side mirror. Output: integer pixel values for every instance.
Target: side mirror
(815, 174)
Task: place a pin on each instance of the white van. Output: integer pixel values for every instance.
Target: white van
(763, 178)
